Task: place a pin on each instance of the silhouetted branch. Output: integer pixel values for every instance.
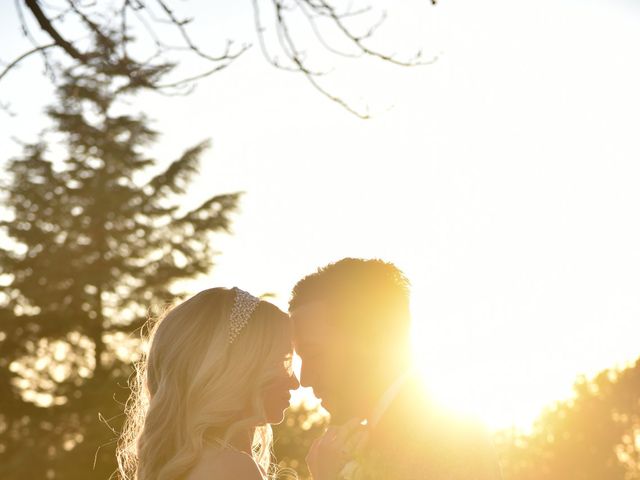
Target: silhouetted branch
(337, 99)
(358, 39)
(47, 21)
(23, 56)
(260, 29)
(46, 25)
(227, 55)
(311, 17)
(286, 52)
(190, 80)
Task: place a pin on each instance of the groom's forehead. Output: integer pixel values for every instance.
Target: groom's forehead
(313, 307)
(310, 316)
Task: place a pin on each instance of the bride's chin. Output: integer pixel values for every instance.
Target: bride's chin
(278, 418)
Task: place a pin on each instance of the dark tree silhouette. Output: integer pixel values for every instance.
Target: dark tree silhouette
(96, 239)
(277, 24)
(593, 436)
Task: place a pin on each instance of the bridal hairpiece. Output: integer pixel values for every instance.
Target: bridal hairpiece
(243, 307)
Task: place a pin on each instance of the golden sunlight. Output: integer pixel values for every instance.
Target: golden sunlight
(479, 376)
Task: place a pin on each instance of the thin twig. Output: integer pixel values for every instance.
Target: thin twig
(263, 46)
(357, 40)
(312, 21)
(194, 78)
(23, 56)
(227, 55)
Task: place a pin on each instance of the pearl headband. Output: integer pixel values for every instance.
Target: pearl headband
(243, 307)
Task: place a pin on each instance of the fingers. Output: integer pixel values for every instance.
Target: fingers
(359, 441)
(343, 433)
(353, 423)
(342, 439)
(331, 433)
(329, 452)
(349, 430)
(351, 426)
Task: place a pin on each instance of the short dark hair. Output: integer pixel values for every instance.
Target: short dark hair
(371, 281)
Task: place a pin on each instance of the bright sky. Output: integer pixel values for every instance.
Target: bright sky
(504, 182)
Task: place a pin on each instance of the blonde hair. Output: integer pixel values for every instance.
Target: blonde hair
(194, 389)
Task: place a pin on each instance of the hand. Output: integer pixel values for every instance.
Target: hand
(330, 452)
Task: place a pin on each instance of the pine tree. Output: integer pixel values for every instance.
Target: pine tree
(91, 248)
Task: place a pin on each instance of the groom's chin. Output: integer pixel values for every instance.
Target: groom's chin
(326, 405)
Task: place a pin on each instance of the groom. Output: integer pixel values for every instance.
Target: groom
(352, 331)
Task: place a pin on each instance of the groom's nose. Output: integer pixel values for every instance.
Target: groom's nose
(294, 384)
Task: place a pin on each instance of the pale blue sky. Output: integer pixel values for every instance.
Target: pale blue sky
(502, 179)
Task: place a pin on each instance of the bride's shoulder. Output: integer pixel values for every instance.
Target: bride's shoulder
(223, 464)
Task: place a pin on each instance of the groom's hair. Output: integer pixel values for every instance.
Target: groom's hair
(361, 284)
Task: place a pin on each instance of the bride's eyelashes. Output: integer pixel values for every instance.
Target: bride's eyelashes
(288, 364)
(280, 370)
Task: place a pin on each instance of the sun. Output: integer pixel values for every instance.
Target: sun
(475, 378)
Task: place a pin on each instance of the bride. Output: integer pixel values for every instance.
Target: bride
(217, 374)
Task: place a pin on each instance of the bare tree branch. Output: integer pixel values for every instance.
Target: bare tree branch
(311, 17)
(27, 33)
(358, 39)
(227, 55)
(363, 115)
(46, 25)
(189, 80)
(93, 27)
(286, 51)
(263, 46)
(23, 56)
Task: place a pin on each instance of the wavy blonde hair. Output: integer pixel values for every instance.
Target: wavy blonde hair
(193, 389)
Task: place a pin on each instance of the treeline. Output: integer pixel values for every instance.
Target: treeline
(593, 436)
